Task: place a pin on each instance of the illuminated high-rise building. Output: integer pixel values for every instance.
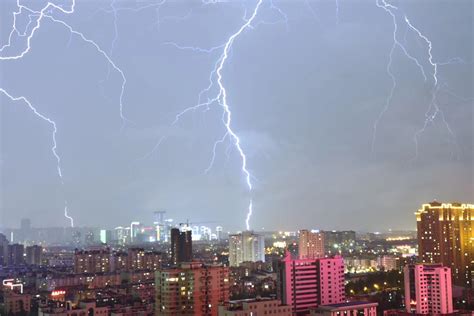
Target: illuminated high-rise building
(140, 259)
(92, 261)
(246, 247)
(121, 235)
(159, 223)
(310, 244)
(191, 289)
(428, 289)
(446, 236)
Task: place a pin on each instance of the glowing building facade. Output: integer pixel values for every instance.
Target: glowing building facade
(191, 289)
(92, 261)
(310, 245)
(446, 236)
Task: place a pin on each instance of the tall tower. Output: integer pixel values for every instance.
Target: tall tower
(159, 217)
(181, 245)
(219, 233)
(446, 236)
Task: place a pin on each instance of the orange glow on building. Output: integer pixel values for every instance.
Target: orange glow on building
(445, 235)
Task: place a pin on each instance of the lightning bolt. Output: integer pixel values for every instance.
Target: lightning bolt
(429, 116)
(41, 14)
(45, 13)
(220, 97)
(227, 115)
(433, 109)
(54, 142)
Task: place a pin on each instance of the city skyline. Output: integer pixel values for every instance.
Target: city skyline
(280, 273)
(307, 84)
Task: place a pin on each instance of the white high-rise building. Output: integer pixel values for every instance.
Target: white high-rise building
(219, 233)
(246, 247)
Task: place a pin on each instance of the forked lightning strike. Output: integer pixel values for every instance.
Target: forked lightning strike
(54, 146)
(215, 93)
(46, 12)
(220, 97)
(433, 110)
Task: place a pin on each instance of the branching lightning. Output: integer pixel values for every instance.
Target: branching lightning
(46, 12)
(54, 142)
(216, 77)
(433, 110)
(215, 94)
(430, 115)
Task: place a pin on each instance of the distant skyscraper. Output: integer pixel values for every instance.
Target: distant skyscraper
(89, 238)
(219, 233)
(246, 247)
(121, 235)
(181, 245)
(307, 283)
(310, 245)
(34, 255)
(428, 289)
(446, 235)
(16, 255)
(105, 236)
(3, 250)
(76, 238)
(160, 225)
(159, 217)
(134, 228)
(25, 230)
(191, 289)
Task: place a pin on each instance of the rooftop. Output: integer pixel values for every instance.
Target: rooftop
(347, 305)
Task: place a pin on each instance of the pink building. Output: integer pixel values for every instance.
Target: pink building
(428, 289)
(308, 283)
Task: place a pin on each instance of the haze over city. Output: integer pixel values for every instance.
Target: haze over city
(305, 83)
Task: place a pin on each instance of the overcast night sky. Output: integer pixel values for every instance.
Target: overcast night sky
(304, 95)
